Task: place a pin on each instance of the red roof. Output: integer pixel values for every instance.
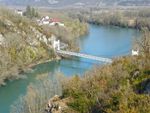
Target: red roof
(54, 20)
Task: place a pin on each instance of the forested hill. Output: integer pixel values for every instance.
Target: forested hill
(61, 3)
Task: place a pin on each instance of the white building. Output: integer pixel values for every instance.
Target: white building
(135, 52)
(19, 12)
(50, 21)
(44, 20)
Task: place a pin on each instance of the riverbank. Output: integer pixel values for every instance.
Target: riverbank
(129, 18)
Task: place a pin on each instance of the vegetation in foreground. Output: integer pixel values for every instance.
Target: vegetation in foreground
(117, 88)
(121, 87)
(37, 95)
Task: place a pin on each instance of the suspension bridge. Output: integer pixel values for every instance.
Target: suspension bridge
(101, 59)
(58, 49)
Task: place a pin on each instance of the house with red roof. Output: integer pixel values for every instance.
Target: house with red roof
(46, 20)
(55, 21)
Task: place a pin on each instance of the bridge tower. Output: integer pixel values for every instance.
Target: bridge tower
(135, 52)
(56, 44)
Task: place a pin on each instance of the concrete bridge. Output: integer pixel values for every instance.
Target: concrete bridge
(57, 48)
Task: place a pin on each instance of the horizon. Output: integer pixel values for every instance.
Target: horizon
(75, 3)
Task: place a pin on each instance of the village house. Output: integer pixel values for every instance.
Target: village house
(44, 20)
(50, 21)
(19, 12)
(56, 22)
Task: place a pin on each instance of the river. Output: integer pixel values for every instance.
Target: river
(105, 41)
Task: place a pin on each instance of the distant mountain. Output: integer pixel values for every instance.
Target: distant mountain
(61, 3)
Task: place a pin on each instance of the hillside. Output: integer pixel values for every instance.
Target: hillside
(20, 45)
(61, 3)
(24, 43)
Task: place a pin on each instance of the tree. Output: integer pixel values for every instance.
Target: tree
(38, 95)
(144, 48)
(31, 12)
(28, 11)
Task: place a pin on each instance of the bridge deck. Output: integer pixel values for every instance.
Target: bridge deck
(101, 59)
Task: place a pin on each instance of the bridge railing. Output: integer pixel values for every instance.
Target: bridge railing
(85, 56)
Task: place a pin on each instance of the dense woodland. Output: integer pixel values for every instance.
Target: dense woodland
(134, 18)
